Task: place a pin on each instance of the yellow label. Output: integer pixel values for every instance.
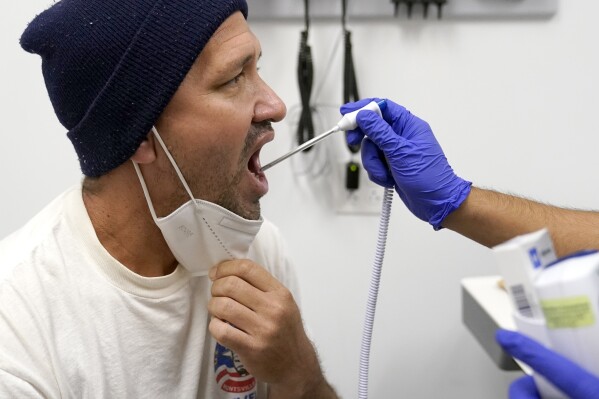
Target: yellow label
(572, 312)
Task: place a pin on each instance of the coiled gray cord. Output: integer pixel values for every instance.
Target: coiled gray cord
(373, 293)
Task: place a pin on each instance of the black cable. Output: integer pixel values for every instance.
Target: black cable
(350, 85)
(305, 78)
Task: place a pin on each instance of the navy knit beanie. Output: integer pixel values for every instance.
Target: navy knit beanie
(112, 66)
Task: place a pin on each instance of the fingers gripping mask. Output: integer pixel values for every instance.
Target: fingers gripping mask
(201, 234)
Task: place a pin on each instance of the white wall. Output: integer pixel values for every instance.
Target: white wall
(512, 102)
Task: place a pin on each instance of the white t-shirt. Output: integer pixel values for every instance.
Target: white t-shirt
(76, 323)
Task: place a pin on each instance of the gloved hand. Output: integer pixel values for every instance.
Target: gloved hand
(570, 378)
(402, 152)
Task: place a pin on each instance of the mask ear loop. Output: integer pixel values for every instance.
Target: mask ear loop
(145, 189)
(172, 160)
(177, 170)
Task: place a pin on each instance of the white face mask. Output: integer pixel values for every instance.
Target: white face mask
(201, 234)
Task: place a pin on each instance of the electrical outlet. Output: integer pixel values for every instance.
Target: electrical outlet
(366, 200)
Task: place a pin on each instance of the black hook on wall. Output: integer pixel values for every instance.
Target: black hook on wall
(424, 4)
(305, 78)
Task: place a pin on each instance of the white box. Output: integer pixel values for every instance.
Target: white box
(520, 261)
(569, 296)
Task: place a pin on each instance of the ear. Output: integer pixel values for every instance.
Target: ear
(146, 152)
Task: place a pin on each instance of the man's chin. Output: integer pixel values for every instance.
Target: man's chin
(250, 212)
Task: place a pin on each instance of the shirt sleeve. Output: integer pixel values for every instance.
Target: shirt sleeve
(25, 365)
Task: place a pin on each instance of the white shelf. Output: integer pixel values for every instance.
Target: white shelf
(263, 10)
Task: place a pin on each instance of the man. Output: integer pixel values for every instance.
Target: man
(115, 289)
(401, 151)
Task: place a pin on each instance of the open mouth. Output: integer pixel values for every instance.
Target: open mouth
(254, 164)
(257, 180)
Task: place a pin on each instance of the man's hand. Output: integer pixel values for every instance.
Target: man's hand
(255, 316)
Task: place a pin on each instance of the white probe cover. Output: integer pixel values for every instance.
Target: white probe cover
(348, 122)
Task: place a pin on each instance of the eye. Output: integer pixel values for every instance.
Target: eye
(235, 80)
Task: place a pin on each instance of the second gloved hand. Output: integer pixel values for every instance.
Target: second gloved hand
(402, 152)
(571, 379)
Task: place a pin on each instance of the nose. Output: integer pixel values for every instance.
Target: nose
(269, 106)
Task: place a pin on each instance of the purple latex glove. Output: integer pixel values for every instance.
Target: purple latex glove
(570, 378)
(402, 152)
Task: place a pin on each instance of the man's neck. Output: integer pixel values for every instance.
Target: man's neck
(124, 226)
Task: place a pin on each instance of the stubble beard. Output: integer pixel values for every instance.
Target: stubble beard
(229, 196)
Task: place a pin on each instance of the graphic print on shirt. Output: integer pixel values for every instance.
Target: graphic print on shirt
(231, 375)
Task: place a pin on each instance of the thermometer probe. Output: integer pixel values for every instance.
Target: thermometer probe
(348, 122)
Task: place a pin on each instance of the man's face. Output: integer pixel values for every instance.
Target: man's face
(218, 120)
